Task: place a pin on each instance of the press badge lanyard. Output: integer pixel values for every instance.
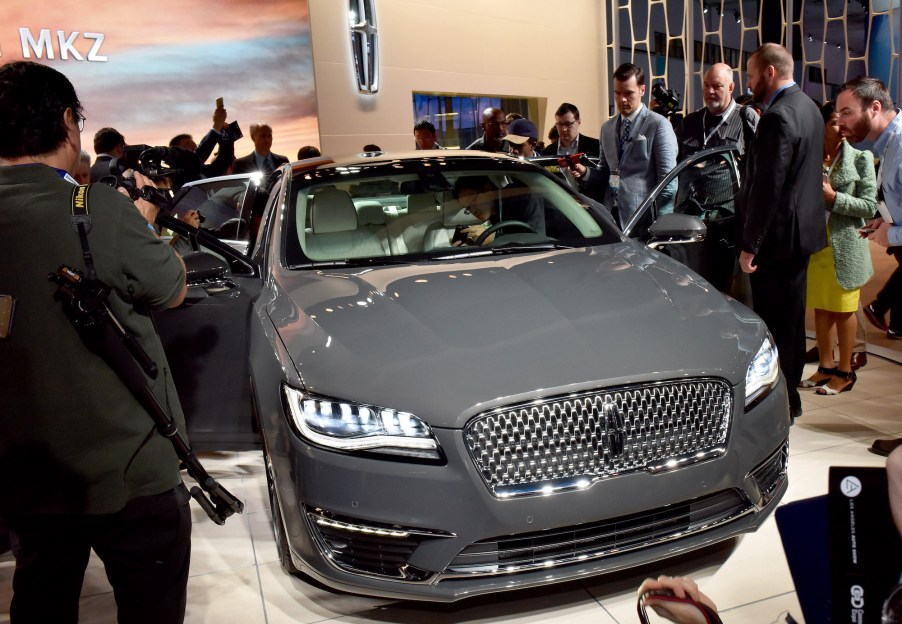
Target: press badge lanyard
(723, 120)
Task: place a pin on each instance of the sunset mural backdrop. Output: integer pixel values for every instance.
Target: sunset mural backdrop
(167, 61)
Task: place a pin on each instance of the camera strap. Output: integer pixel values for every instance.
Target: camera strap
(80, 219)
(132, 363)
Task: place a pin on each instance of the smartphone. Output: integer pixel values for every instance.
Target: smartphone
(219, 103)
(460, 235)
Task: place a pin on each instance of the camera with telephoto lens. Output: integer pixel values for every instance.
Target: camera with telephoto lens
(668, 99)
(173, 164)
(84, 300)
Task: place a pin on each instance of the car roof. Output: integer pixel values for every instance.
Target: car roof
(378, 158)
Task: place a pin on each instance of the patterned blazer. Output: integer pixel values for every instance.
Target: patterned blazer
(855, 184)
(647, 159)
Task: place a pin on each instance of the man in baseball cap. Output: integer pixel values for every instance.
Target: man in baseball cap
(522, 137)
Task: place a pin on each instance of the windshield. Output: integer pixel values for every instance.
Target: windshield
(422, 208)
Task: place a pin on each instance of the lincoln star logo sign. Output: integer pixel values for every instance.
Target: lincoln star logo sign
(365, 44)
(612, 436)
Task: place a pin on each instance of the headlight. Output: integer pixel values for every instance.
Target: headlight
(347, 426)
(763, 372)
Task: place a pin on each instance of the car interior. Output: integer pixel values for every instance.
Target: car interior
(406, 215)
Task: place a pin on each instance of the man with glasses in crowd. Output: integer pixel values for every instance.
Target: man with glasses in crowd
(87, 467)
(570, 141)
(494, 129)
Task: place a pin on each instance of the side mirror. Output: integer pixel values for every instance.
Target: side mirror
(676, 229)
(204, 267)
(207, 275)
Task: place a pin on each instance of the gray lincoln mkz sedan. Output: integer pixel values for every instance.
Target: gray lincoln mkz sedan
(466, 379)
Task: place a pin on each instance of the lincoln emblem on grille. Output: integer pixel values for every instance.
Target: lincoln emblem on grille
(612, 438)
(365, 44)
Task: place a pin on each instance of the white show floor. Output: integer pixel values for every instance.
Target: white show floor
(236, 578)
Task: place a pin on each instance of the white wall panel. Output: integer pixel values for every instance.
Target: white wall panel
(522, 48)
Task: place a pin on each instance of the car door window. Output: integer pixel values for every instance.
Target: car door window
(709, 188)
(224, 212)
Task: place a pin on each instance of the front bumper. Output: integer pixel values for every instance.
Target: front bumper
(435, 532)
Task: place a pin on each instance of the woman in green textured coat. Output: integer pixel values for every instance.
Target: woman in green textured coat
(836, 274)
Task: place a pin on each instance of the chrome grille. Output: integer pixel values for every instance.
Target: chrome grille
(570, 441)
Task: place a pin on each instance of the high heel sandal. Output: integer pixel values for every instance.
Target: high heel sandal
(808, 383)
(850, 377)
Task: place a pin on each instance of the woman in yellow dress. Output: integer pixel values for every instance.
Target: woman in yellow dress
(837, 272)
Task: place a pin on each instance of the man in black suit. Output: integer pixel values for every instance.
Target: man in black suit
(262, 158)
(570, 141)
(781, 212)
(108, 144)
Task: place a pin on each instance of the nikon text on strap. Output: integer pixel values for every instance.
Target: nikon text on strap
(81, 223)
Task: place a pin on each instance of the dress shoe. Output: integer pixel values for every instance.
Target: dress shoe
(812, 355)
(859, 360)
(885, 447)
(875, 316)
(895, 334)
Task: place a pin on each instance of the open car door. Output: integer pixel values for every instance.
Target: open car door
(707, 188)
(206, 338)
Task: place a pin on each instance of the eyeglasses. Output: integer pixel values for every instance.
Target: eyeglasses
(563, 125)
(79, 121)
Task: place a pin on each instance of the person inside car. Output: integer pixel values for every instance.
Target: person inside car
(485, 200)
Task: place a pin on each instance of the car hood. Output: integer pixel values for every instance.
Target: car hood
(450, 338)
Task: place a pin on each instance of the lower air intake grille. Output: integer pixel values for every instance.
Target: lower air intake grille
(530, 551)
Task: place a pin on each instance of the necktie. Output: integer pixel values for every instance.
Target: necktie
(267, 166)
(624, 137)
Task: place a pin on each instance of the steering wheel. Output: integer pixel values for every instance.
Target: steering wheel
(517, 225)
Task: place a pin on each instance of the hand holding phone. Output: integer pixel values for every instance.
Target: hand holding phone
(460, 236)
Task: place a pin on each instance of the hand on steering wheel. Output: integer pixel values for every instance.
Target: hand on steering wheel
(512, 224)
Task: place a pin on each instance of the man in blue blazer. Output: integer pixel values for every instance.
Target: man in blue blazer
(638, 150)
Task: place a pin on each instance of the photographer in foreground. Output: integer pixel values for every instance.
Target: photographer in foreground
(87, 468)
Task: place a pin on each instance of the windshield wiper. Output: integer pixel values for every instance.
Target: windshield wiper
(349, 262)
(502, 249)
(470, 253)
(520, 247)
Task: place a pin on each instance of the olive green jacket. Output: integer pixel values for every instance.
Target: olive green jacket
(855, 183)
